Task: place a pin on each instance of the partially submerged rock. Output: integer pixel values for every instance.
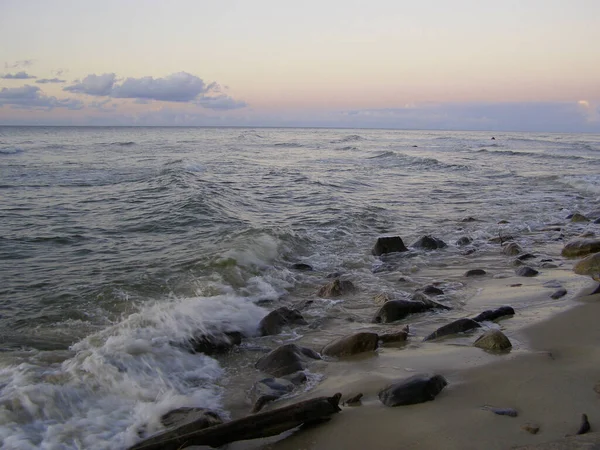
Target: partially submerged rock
(429, 243)
(302, 267)
(431, 290)
(580, 247)
(388, 244)
(475, 273)
(211, 344)
(512, 249)
(493, 314)
(458, 326)
(394, 336)
(416, 389)
(526, 271)
(493, 340)
(274, 322)
(399, 309)
(286, 359)
(577, 217)
(269, 389)
(336, 288)
(351, 345)
(464, 240)
(589, 266)
(561, 292)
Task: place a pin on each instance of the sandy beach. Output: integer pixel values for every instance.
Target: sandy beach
(548, 377)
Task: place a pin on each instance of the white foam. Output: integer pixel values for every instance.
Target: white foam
(589, 184)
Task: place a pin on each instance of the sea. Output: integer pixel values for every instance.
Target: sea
(119, 245)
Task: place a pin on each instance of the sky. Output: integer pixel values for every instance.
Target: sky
(513, 65)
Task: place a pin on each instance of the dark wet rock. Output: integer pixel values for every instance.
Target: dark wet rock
(416, 389)
(584, 427)
(431, 290)
(399, 309)
(469, 219)
(526, 271)
(204, 417)
(303, 267)
(503, 222)
(510, 412)
(336, 288)
(512, 249)
(558, 293)
(423, 298)
(286, 359)
(383, 297)
(532, 428)
(269, 389)
(353, 400)
(475, 273)
(458, 326)
(211, 344)
(389, 244)
(461, 242)
(429, 243)
(274, 322)
(597, 221)
(589, 266)
(468, 251)
(493, 340)
(394, 336)
(351, 345)
(493, 314)
(526, 256)
(579, 218)
(580, 247)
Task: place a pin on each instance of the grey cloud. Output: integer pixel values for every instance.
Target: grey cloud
(221, 102)
(178, 87)
(22, 75)
(100, 85)
(19, 64)
(50, 80)
(31, 97)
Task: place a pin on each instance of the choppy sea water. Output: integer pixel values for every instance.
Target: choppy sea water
(116, 244)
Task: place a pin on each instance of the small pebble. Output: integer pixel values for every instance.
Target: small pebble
(532, 428)
(502, 411)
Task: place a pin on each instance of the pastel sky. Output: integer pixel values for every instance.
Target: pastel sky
(531, 65)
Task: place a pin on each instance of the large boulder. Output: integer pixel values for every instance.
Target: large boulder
(388, 244)
(493, 314)
(580, 247)
(399, 309)
(336, 288)
(273, 322)
(392, 337)
(286, 359)
(429, 243)
(458, 326)
(493, 340)
(590, 266)
(416, 389)
(351, 345)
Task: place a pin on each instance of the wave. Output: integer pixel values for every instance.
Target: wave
(531, 154)
(417, 161)
(349, 138)
(288, 145)
(588, 184)
(10, 150)
(348, 148)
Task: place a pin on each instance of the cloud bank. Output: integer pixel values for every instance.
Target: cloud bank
(179, 87)
(50, 80)
(31, 97)
(22, 75)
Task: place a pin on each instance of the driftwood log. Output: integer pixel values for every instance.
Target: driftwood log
(269, 423)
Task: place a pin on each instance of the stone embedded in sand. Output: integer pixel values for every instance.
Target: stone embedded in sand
(389, 244)
(268, 390)
(416, 389)
(352, 345)
(580, 247)
(458, 326)
(429, 243)
(512, 249)
(558, 293)
(589, 266)
(336, 288)
(493, 340)
(579, 218)
(526, 271)
(273, 322)
(475, 273)
(510, 412)
(286, 359)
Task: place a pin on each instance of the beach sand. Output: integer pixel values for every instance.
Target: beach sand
(549, 378)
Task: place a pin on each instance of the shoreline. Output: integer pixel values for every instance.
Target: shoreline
(548, 377)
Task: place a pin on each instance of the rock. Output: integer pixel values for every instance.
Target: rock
(204, 417)
(597, 221)
(512, 249)
(461, 242)
(493, 340)
(336, 288)
(399, 309)
(354, 400)
(269, 389)
(383, 297)
(286, 359)
(579, 218)
(351, 345)
(532, 428)
(394, 336)
(501, 411)
(429, 243)
(589, 266)
(490, 315)
(273, 322)
(584, 427)
(503, 222)
(580, 247)
(431, 290)
(548, 265)
(302, 267)
(211, 344)
(458, 326)
(469, 219)
(389, 244)
(416, 389)
(475, 272)
(558, 293)
(526, 256)
(526, 271)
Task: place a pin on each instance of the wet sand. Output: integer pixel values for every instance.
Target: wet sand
(548, 377)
